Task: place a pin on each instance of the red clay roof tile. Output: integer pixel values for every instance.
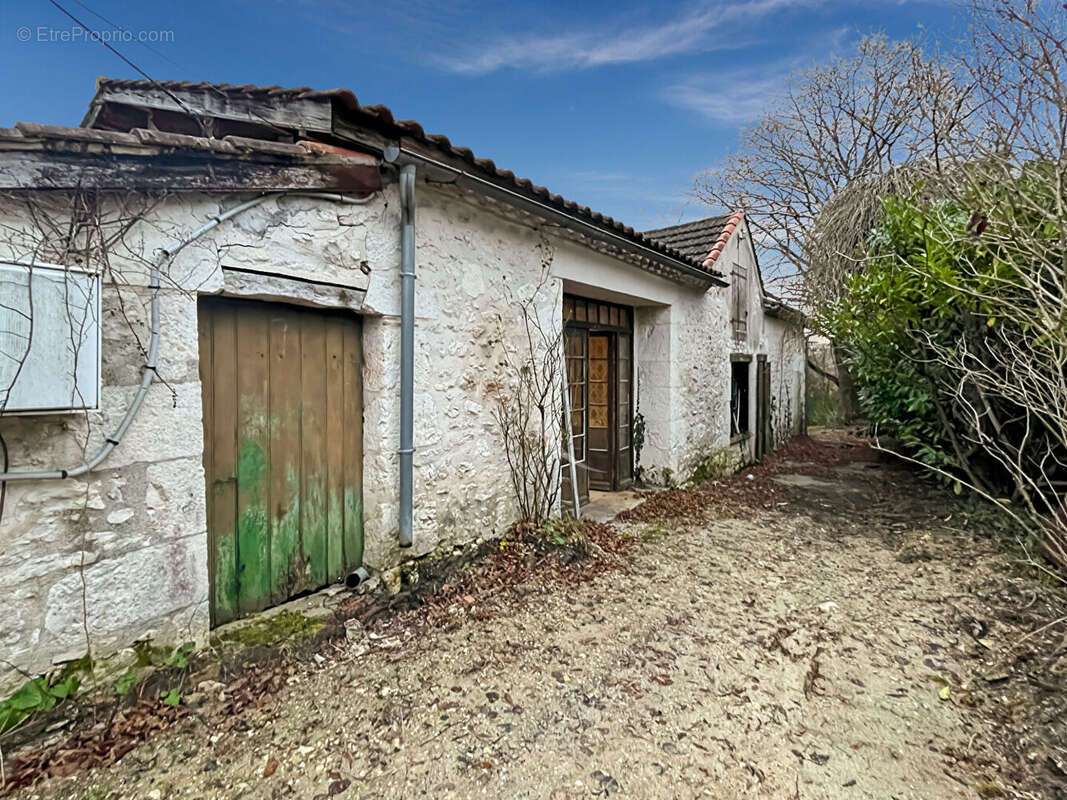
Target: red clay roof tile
(381, 118)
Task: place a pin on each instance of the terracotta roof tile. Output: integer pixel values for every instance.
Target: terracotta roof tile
(381, 118)
(701, 241)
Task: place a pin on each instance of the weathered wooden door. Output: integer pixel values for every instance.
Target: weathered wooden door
(283, 450)
(598, 339)
(601, 412)
(763, 407)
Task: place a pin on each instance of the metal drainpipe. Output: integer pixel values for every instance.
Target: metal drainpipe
(407, 351)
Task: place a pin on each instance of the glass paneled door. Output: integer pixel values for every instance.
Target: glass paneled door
(601, 412)
(599, 351)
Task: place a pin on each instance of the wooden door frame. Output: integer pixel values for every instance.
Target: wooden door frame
(625, 317)
(616, 483)
(612, 420)
(763, 406)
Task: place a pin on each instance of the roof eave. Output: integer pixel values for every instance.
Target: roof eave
(667, 266)
(374, 128)
(38, 157)
(774, 306)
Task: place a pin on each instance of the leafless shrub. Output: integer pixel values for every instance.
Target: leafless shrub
(83, 230)
(102, 234)
(983, 126)
(810, 172)
(1006, 389)
(528, 399)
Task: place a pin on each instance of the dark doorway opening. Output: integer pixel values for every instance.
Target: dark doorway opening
(738, 398)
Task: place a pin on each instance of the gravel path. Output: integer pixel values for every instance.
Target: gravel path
(818, 650)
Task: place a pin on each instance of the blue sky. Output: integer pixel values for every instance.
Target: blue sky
(617, 105)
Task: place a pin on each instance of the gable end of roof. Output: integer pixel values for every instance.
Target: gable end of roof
(701, 241)
(727, 231)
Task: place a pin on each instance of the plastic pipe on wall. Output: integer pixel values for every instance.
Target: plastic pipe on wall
(154, 276)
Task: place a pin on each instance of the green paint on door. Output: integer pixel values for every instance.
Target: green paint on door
(224, 592)
(285, 541)
(253, 577)
(353, 527)
(251, 466)
(284, 517)
(313, 525)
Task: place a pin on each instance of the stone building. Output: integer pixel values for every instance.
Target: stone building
(253, 339)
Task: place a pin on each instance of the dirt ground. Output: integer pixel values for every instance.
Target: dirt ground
(833, 627)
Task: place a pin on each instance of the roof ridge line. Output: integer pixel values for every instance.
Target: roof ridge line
(724, 237)
(381, 117)
(702, 220)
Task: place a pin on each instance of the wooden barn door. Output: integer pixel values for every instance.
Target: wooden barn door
(283, 451)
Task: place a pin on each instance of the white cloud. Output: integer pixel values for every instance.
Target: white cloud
(583, 49)
(724, 99)
(737, 96)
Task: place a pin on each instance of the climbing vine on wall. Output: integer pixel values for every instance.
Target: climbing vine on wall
(639, 443)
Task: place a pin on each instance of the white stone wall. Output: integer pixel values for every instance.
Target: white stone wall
(787, 355)
(780, 340)
(126, 543)
(683, 343)
(473, 266)
(121, 554)
(701, 419)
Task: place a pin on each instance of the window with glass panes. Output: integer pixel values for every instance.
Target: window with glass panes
(576, 345)
(599, 351)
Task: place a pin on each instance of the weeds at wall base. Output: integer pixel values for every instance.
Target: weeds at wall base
(716, 465)
(236, 675)
(42, 693)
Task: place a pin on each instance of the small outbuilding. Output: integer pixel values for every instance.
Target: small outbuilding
(253, 339)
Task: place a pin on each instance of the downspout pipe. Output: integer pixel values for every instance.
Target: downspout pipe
(407, 352)
(154, 278)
